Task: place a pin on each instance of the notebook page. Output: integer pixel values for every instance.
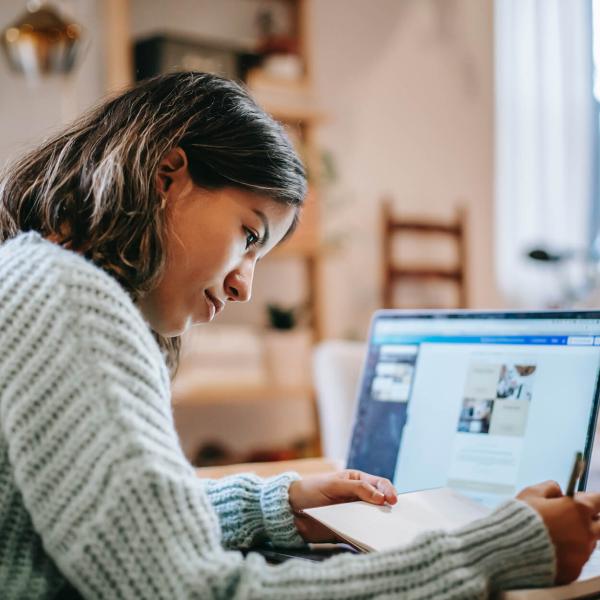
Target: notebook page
(382, 527)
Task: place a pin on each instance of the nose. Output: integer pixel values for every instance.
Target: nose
(238, 284)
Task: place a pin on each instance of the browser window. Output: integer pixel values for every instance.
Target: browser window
(484, 406)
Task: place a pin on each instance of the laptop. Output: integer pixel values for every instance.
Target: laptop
(485, 403)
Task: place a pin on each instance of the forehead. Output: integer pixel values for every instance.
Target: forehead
(278, 214)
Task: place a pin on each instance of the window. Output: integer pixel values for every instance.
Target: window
(546, 135)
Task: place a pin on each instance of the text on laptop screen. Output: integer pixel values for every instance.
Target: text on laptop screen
(486, 406)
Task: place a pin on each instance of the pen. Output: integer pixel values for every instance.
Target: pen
(576, 472)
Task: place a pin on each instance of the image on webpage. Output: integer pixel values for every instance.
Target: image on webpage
(496, 398)
(492, 423)
(394, 373)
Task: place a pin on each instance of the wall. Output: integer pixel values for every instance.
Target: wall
(227, 21)
(29, 112)
(409, 90)
(408, 87)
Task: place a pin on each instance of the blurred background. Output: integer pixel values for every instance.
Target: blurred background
(452, 152)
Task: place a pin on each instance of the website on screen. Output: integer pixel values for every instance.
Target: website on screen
(483, 407)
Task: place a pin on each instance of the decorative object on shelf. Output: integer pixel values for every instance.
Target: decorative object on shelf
(219, 454)
(212, 454)
(297, 450)
(287, 347)
(275, 35)
(278, 47)
(41, 42)
(168, 52)
(281, 317)
(218, 356)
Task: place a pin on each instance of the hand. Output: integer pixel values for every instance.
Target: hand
(344, 486)
(572, 523)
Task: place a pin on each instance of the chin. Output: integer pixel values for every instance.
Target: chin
(173, 328)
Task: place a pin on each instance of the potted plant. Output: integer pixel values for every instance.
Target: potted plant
(288, 347)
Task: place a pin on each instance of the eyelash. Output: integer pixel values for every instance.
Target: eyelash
(252, 238)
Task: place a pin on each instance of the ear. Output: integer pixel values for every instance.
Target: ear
(172, 167)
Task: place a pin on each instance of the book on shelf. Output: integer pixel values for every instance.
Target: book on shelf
(372, 528)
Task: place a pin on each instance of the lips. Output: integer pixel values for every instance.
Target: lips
(217, 304)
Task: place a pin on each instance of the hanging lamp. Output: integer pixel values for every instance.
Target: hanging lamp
(41, 42)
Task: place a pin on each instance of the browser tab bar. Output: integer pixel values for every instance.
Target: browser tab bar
(580, 340)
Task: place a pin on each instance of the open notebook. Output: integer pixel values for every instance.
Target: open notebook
(369, 528)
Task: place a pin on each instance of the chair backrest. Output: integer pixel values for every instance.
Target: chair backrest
(396, 271)
(337, 366)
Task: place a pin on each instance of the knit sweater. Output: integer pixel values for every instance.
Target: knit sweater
(96, 493)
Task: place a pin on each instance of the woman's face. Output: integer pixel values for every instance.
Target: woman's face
(214, 240)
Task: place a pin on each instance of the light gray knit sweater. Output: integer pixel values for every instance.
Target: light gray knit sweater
(95, 490)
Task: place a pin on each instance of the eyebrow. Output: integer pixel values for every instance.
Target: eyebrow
(261, 215)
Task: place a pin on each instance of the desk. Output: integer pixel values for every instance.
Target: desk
(304, 466)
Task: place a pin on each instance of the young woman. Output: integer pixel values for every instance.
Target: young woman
(145, 217)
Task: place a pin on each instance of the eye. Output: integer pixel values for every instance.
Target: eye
(252, 238)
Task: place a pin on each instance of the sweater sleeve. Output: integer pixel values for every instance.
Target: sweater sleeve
(123, 515)
(251, 509)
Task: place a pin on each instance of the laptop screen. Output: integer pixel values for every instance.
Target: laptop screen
(485, 403)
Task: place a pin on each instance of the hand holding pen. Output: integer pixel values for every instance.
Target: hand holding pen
(571, 521)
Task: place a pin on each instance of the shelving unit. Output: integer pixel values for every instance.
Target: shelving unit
(233, 394)
(292, 103)
(289, 101)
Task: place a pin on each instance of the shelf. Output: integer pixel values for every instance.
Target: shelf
(259, 79)
(189, 393)
(290, 114)
(303, 466)
(290, 101)
(305, 242)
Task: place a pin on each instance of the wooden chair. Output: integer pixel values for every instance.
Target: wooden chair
(396, 271)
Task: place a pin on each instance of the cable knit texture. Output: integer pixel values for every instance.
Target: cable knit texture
(95, 490)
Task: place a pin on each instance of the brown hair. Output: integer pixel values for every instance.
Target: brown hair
(93, 186)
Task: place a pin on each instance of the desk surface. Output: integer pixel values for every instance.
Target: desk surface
(304, 466)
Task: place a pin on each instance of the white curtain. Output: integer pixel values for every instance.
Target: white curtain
(544, 140)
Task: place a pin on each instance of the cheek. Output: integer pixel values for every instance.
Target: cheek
(178, 296)
(209, 261)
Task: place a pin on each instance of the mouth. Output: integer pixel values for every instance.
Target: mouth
(214, 304)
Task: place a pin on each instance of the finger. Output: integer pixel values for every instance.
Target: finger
(368, 492)
(345, 490)
(589, 499)
(549, 489)
(387, 488)
(546, 489)
(352, 474)
(596, 529)
(384, 485)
